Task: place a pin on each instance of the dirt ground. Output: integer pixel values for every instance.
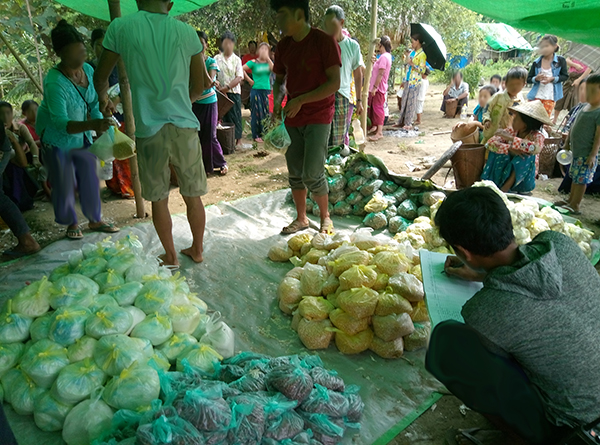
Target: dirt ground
(256, 171)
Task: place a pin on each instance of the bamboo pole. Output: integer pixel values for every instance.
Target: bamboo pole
(36, 44)
(114, 7)
(25, 68)
(367, 81)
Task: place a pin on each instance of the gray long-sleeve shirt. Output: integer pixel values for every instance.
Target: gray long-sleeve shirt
(544, 311)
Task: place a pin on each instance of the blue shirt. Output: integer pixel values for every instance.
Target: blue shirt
(62, 104)
(478, 113)
(209, 96)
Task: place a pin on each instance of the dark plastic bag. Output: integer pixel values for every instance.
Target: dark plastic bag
(172, 431)
(325, 401)
(328, 379)
(206, 410)
(389, 187)
(355, 404)
(285, 426)
(248, 420)
(326, 430)
(292, 381)
(407, 209)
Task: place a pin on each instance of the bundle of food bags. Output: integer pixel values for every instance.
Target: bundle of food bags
(247, 399)
(92, 337)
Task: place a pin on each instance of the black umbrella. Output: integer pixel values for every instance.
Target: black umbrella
(433, 45)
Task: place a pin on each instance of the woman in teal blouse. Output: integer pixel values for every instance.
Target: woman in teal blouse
(261, 88)
(207, 113)
(66, 118)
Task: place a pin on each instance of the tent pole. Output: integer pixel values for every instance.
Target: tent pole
(36, 44)
(367, 81)
(114, 7)
(25, 68)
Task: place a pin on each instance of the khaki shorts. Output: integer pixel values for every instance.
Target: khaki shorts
(179, 147)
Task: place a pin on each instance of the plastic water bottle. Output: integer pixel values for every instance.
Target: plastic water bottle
(464, 111)
(105, 172)
(359, 136)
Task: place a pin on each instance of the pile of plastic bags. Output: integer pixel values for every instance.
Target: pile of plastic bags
(357, 187)
(248, 399)
(360, 292)
(95, 336)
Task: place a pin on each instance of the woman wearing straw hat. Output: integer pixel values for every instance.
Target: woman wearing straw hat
(511, 164)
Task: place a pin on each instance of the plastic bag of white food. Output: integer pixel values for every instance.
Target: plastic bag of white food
(68, 324)
(48, 413)
(13, 327)
(102, 300)
(552, 217)
(198, 302)
(201, 329)
(185, 318)
(313, 278)
(113, 353)
(41, 326)
(73, 289)
(364, 239)
(108, 320)
(200, 356)
(10, 355)
(408, 286)
(87, 421)
(155, 327)
(78, 381)
(137, 272)
(91, 267)
(176, 345)
(137, 315)
(20, 391)
(219, 336)
(125, 294)
(82, 348)
(134, 388)
(43, 361)
(33, 300)
(155, 296)
(121, 262)
(130, 243)
(109, 279)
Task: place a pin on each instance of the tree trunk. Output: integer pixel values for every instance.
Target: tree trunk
(25, 68)
(36, 44)
(114, 7)
(368, 71)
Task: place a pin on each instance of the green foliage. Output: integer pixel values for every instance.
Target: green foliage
(442, 77)
(472, 75)
(500, 67)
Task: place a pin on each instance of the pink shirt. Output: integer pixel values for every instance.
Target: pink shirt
(384, 62)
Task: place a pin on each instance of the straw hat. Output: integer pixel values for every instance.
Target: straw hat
(534, 109)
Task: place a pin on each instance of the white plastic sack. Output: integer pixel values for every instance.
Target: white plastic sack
(134, 388)
(82, 348)
(108, 320)
(155, 327)
(155, 296)
(73, 289)
(125, 294)
(87, 421)
(20, 391)
(101, 301)
(78, 381)
(9, 356)
(43, 361)
(114, 353)
(137, 315)
(185, 318)
(219, 336)
(109, 279)
(177, 345)
(13, 327)
(68, 324)
(33, 300)
(48, 413)
(200, 356)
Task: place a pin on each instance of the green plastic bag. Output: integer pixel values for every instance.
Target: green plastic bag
(87, 421)
(9, 356)
(48, 413)
(101, 301)
(60, 272)
(91, 267)
(73, 289)
(200, 356)
(134, 388)
(77, 381)
(41, 326)
(123, 261)
(82, 348)
(278, 137)
(13, 327)
(156, 296)
(168, 430)
(68, 324)
(20, 391)
(33, 300)
(109, 279)
(108, 320)
(155, 327)
(114, 353)
(408, 209)
(177, 345)
(398, 224)
(125, 294)
(43, 361)
(185, 318)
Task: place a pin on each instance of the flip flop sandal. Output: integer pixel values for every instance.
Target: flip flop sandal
(561, 203)
(571, 210)
(224, 170)
(294, 227)
(75, 234)
(171, 267)
(326, 226)
(106, 228)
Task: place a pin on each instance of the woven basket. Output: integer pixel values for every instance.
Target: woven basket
(467, 164)
(467, 134)
(226, 137)
(548, 156)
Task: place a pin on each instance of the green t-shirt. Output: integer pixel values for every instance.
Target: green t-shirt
(157, 50)
(209, 96)
(261, 74)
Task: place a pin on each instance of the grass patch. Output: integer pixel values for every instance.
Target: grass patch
(254, 170)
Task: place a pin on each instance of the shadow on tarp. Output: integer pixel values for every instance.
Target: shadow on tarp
(239, 280)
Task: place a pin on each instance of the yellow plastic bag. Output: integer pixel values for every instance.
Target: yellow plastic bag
(124, 146)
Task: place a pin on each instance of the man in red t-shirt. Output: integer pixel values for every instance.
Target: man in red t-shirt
(251, 53)
(309, 60)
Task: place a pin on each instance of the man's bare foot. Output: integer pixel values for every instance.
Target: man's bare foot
(417, 122)
(372, 130)
(193, 254)
(166, 260)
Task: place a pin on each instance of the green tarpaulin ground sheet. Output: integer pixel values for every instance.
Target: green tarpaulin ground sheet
(578, 20)
(239, 280)
(99, 8)
(503, 37)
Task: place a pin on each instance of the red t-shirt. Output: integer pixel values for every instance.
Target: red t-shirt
(247, 57)
(305, 63)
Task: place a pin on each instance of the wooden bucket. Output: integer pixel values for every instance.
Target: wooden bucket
(226, 137)
(467, 164)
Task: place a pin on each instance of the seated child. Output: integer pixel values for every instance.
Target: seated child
(584, 141)
(511, 163)
(485, 94)
(497, 115)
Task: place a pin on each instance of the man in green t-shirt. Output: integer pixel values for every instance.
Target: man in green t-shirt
(163, 58)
